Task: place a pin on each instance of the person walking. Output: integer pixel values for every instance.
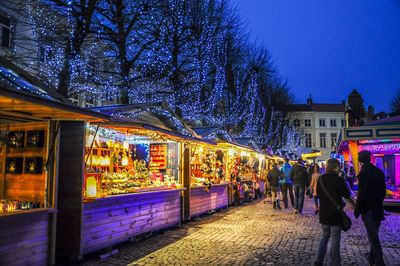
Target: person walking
(287, 184)
(273, 179)
(329, 214)
(369, 204)
(313, 187)
(299, 176)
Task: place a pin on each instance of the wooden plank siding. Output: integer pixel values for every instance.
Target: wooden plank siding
(24, 238)
(201, 201)
(116, 219)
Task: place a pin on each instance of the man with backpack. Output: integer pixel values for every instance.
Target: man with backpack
(299, 176)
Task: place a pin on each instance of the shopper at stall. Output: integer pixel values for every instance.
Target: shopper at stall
(273, 178)
(313, 187)
(257, 189)
(287, 184)
(299, 176)
(310, 172)
(371, 193)
(330, 216)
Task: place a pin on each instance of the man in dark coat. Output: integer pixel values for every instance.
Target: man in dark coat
(299, 176)
(371, 193)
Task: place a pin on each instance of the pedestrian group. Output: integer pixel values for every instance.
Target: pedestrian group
(331, 186)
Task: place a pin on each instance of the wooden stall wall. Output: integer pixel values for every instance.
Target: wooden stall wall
(70, 180)
(202, 201)
(116, 219)
(24, 238)
(22, 184)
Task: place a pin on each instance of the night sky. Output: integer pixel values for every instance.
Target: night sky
(327, 48)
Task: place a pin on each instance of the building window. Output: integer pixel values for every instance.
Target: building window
(307, 140)
(5, 31)
(296, 122)
(343, 123)
(322, 123)
(307, 122)
(333, 122)
(322, 140)
(333, 139)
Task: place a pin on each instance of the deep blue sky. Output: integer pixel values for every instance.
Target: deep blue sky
(329, 47)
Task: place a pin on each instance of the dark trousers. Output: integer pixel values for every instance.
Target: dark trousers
(299, 191)
(257, 194)
(287, 188)
(372, 226)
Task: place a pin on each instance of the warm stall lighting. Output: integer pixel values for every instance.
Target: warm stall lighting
(244, 154)
(124, 161)
(91, 187)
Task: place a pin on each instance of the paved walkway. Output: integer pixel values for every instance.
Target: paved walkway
(253, 234)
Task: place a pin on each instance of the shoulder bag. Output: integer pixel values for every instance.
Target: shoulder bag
(346, 221)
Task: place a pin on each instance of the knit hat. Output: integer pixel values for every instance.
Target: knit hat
(364, 156)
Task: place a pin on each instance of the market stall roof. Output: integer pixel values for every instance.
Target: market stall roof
(128, 126)
(24, 98)
(372, 132)
(215, 134)
(249, 142)
(157, 114)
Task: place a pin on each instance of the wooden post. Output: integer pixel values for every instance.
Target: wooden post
(186, 182)
(70, 186)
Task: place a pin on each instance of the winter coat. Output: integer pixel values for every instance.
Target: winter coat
(285, 170)
(335, 186)
(274, 176)
(371, 191)
(299, 174)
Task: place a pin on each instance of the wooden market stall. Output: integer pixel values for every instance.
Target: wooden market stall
(381, 139)
(129, 179)
(29, 145)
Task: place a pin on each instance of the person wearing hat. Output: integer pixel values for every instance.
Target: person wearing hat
(369, 204)
(299, 176)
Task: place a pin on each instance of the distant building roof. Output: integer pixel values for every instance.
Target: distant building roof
(214, 133)
(316, 107)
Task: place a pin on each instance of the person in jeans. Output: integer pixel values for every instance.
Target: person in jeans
(299, 176)
(313, 187)
(274, 175)
(287, 184)
(329, 216)
(371, 193)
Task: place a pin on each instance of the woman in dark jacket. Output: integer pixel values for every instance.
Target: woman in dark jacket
(329, 215)
(274, 175)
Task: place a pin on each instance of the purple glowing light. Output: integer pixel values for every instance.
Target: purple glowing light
(384, 147)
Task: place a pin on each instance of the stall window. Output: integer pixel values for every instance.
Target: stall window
(118, 163)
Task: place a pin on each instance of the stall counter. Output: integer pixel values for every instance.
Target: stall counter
(202, 201)
(112, 220)
(25, 238)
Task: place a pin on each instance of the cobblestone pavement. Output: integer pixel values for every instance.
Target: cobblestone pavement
(253, 234)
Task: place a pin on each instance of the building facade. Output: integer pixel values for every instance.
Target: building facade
(320, 125)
